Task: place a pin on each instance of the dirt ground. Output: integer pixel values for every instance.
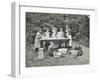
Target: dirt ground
(33, 61)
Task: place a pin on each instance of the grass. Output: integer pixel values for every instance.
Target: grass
(33, 61)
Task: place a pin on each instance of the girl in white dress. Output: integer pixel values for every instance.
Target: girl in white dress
(37, 41)
(69, 36)
(54, 30)
(47, 34)
(70, 41)
(67, 31)
(60, 34)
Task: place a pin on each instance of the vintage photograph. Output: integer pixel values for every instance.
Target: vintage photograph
(56, 39)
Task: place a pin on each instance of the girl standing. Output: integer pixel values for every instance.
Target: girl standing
(37, 41)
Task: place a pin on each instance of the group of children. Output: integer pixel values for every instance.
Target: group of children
(56, 33)
(53, 33)
(53, 46)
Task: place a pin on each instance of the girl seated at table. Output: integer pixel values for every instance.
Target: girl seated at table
(46, 35)
(54, 32)
(60, 34)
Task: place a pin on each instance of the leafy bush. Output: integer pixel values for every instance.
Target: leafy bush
(79, 24)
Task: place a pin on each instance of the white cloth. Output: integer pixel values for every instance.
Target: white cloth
(74, 52)
(63, 50)
(57, 54)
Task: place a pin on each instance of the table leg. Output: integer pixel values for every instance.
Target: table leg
(41, 44)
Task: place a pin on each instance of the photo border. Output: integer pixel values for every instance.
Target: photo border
(16, 35)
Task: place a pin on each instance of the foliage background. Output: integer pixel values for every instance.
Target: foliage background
(79, 25)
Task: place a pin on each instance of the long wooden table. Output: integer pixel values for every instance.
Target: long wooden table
(66, 40)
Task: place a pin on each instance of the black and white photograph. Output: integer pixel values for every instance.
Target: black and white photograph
(56, 39)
